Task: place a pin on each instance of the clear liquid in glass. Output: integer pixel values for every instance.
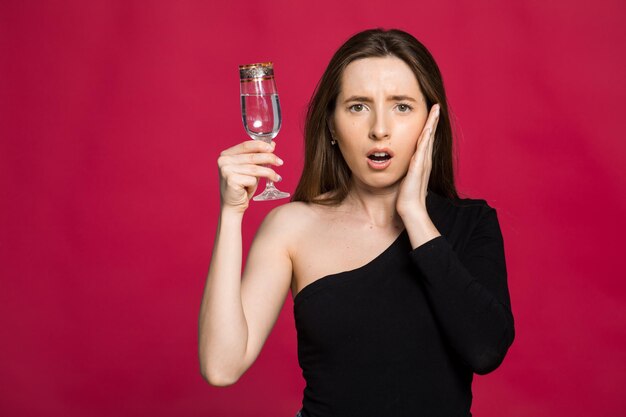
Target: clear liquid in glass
(261, 115)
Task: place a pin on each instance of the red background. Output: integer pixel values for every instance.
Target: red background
(112, 114)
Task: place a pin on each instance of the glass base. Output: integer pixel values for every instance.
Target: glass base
(270, 193)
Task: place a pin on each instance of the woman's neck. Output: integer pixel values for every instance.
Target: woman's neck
(374, 205)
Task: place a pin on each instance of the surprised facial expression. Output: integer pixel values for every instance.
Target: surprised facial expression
(379, 115)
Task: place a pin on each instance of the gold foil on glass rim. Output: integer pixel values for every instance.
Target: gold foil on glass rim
(263, 70)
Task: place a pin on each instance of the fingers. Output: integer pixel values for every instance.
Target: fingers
(250, 146)
(253, 171)
(240, 168)
(247, 158)
(250, 152)
(434, 131)
(424, 144)
(431, 124)
(433, 117)
(250, 158)
(245, 183)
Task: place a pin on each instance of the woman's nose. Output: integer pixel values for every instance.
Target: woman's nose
(380, 127)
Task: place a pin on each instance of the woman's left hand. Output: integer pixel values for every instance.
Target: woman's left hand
(412, 194)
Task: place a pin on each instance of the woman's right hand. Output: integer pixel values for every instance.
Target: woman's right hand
(240, 169)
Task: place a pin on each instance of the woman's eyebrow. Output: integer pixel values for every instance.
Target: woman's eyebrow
(402, 98)
(365, 99)
(358, 98)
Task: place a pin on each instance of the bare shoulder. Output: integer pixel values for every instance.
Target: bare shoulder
(292, 211)
(290, 221)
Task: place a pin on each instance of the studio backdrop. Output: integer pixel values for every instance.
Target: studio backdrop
(113, 113)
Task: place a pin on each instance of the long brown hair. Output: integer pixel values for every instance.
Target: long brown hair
(325, 171)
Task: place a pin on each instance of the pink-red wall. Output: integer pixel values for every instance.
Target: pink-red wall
(112, 114)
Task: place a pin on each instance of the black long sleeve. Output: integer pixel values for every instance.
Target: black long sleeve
(468, 293)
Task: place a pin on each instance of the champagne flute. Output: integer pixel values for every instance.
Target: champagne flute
(260, 111)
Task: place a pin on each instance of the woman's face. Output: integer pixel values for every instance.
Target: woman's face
(379, 115)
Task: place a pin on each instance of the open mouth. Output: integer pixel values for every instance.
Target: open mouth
(379, 157)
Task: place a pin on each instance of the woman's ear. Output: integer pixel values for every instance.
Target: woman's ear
(331, 127)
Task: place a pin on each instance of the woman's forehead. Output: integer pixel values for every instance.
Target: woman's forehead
(369, 76)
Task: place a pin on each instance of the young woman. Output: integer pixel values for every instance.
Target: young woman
(399, 285)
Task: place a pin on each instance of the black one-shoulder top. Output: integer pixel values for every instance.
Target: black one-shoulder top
(402, 335)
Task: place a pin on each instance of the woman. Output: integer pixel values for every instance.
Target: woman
(399, 286)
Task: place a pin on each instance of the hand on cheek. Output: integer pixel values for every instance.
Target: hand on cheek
(412, 194)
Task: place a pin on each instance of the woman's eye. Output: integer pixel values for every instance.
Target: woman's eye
(404, 108)
(357, 108)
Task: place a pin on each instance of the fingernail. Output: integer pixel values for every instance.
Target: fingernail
(279, 178)
(279, 161)
(273, 144)
(437, 112)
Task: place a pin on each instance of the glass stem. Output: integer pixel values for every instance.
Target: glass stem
(269, 183)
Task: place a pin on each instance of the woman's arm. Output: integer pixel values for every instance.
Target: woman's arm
(469, 294)
(236, 313)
